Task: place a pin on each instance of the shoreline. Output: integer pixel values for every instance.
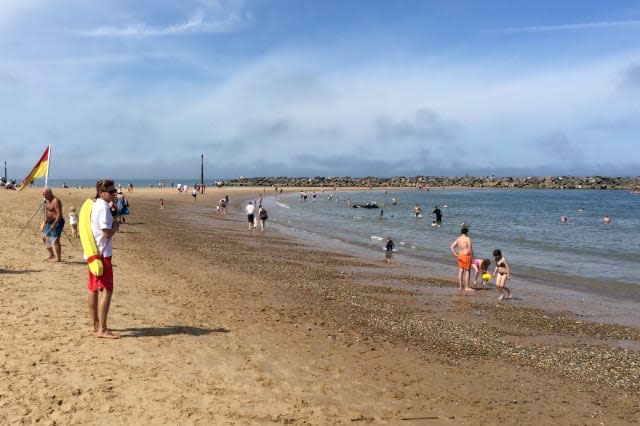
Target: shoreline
(220, 325)
(528, 292)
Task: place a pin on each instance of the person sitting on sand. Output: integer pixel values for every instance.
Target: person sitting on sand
(502, 274)
(464, 254)
(480, 267)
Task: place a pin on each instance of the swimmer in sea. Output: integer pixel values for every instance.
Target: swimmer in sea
(388, 250)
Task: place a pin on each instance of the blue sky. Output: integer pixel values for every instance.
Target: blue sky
(140, 89)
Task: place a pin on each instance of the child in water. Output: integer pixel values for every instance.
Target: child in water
(480, 267)
(388, 250)
(502, 274)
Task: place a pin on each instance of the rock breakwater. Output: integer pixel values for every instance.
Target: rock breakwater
(548, 182)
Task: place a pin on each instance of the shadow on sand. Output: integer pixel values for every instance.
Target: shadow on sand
(168, 331)
(25, 271)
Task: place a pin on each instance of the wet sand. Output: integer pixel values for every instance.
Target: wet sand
(221, 325)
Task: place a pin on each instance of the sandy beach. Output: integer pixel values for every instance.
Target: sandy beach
(220, 325)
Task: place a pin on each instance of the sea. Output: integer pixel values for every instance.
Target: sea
(582, 253)
(120, 182)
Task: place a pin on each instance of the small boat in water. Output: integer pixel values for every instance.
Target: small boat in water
(368, 205)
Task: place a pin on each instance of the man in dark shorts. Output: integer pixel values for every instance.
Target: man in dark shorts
(250, 209)
(52, 225)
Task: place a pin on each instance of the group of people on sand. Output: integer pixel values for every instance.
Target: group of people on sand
(104, 224)
(462, 248)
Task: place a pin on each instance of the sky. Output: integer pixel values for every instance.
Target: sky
(142, 89)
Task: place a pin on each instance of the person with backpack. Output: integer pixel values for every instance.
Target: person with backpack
(263, 216)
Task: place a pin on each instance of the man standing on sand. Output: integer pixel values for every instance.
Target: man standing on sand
(103, 228)
(52, 225)
(465, 256)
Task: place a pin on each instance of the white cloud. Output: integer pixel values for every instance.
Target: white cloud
(568, 27)
(199, 23)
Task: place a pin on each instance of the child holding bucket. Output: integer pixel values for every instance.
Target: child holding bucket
(480, 267)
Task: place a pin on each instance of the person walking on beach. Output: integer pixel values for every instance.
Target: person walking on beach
(103, 227)
(502, 274)
(73, 221)
(122, 207)
(249, 210)
(52, 225)
(464, 254)
(263, 216)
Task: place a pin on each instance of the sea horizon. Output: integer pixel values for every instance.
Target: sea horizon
(421, 182)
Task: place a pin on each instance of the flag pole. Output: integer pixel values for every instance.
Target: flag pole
(46, 176)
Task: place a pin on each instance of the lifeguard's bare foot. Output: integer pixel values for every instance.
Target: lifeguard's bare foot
(107, 334)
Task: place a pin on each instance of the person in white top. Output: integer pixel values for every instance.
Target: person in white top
(103, 228)
(250, 209)
(73, 221)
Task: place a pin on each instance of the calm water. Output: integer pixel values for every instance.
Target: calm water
(582, 254)
(137, 183)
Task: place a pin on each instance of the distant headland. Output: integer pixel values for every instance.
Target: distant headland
(548, 182)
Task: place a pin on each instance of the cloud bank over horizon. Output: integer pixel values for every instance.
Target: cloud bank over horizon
(333, 89)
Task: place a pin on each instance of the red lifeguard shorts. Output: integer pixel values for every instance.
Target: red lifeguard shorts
(464, 261)
(105, 281)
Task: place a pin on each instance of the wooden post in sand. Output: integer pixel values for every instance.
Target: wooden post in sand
(202, 173)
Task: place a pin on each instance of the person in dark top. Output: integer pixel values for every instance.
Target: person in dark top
(438, 214)
(388, 250)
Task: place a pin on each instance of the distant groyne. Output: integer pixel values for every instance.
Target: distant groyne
(548, 182)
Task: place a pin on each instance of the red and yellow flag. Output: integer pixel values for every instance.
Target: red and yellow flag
(41, 169)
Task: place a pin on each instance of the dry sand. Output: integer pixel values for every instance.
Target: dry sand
(223, 326)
